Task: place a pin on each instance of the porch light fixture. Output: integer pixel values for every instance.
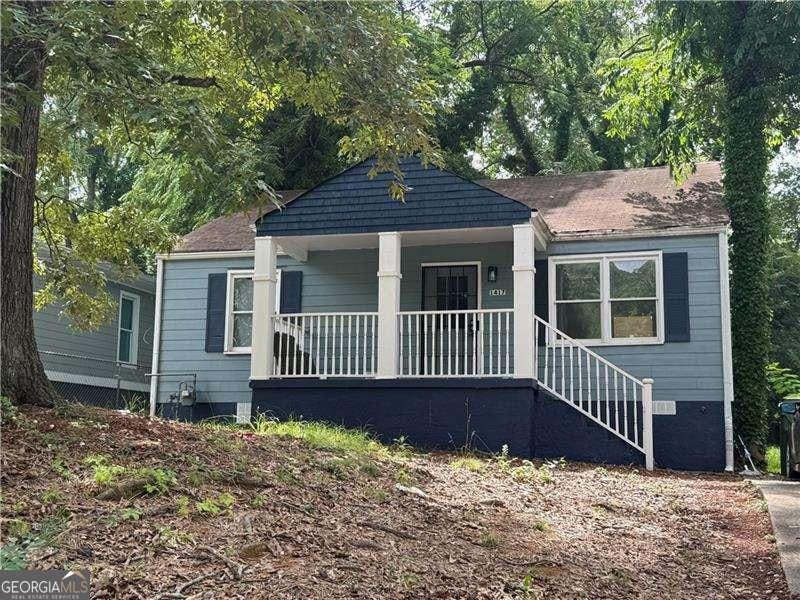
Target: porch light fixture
(492, 274)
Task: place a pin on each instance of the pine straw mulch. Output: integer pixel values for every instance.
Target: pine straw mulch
(312, 523)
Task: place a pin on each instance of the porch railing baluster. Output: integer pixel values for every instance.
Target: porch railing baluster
(592, 407)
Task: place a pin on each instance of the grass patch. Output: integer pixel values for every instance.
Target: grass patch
(773, 458)
(470, 463)
(321, 435)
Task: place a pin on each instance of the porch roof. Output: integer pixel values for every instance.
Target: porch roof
(622, 201)
(354, 202)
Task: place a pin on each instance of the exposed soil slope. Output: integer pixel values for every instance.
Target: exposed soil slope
(267, 516)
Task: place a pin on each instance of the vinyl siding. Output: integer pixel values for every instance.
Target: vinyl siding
(55, 336)
(688, 371)
(220, 377)
(346, 281)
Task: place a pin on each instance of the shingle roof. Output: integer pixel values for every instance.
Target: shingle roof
(621, 200)
(596, 202)
(355, 202)
(230, 232)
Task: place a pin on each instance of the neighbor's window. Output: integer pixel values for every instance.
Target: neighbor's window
(239, 319)
(612, 299)
(128, 331)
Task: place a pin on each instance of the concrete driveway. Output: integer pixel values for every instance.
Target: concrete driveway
(783, 499)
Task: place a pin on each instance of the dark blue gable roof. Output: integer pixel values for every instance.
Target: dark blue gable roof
(351, 202)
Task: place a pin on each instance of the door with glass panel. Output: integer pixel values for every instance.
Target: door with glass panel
(450, 343)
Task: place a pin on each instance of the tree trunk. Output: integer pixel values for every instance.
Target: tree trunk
(23, 378)
(612, 150)
(562, 137)
(746, 162)
(531, 163)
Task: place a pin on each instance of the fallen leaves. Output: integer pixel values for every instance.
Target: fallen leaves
(305, 522)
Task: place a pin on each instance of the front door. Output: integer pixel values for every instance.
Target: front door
(449, 340)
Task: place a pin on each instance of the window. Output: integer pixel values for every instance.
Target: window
(128, 330)
(608, 299)
(239, 314)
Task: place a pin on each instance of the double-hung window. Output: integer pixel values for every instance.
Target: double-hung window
(239, 313)
(128, 328)
(608, 299)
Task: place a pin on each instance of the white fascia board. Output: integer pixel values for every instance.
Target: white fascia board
(639, 233)
(213, 254)
(210, 254)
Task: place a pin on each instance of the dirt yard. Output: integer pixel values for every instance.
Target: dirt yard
(166, 510)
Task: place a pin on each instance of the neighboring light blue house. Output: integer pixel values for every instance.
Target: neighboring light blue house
(584, 316)
(106, 366)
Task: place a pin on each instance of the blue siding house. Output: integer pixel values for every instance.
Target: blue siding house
(106, 366)
(584, 316)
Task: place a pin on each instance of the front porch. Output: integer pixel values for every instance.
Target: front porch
(456, 338)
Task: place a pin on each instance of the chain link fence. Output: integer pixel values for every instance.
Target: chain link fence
(98, 381)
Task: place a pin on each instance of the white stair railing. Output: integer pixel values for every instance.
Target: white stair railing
(326, 344)
(599, 389)
(456, 343)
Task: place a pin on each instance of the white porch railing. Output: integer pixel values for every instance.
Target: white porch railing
(469, 343)
(325, 345)
(596, 387)
(456, 343)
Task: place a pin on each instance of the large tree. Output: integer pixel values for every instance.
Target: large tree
(183, 87)
(528, 96)
(731, 71)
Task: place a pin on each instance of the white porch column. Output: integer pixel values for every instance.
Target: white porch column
(264, 281)
(388, 303)
(524, 342)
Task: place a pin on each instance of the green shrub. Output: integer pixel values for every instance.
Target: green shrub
(182, 506)
(215, 506)
(130, 514)
(107, 475)
(773, 460)
(159, 481)
(8, 412)
(258, 501)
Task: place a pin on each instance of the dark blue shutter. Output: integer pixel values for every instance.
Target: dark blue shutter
(291, 292)
(541, 299)
(215, 312)
(676, 297)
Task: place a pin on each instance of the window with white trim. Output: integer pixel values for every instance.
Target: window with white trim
(608, 299)
(239, 313)
(128, 328)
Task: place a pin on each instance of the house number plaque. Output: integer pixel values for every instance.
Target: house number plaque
(497, 292)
